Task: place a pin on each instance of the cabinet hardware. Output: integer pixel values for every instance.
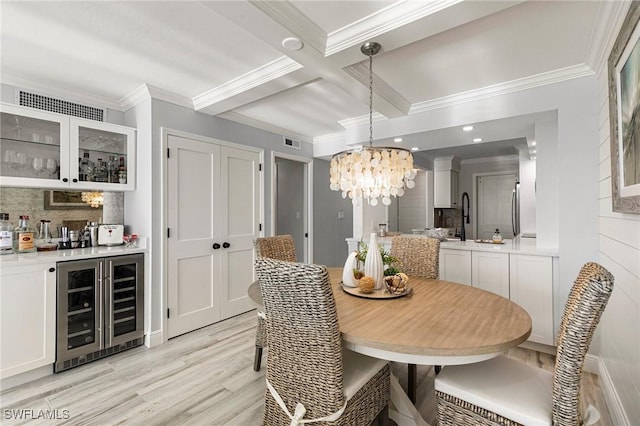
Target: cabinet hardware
(52, 269)
(168, 313)
(168, 232)
(75, 180)
(168, 154)
(65, 180)
(226, 245)
(216, 246)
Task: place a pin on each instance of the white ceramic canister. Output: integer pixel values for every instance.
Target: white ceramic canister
(373, 266)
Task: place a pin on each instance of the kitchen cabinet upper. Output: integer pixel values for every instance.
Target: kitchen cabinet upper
(41, 149)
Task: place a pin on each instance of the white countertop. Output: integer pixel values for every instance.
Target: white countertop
(43, 257)
(517, 245)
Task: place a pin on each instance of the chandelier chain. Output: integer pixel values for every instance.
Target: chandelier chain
(370, 99)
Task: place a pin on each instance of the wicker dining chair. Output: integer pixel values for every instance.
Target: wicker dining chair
(280, 247)
(307, 368)
(418, 256)
(505, 391)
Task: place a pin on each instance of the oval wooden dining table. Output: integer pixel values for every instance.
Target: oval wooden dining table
(439, 323)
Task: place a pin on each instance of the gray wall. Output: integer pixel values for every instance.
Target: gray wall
(329, 232)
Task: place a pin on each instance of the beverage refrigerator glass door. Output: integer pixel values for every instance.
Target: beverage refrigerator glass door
(100, 308)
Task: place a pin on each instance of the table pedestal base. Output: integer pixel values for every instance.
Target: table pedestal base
(402, 411)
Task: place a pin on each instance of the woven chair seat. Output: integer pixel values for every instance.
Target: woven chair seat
(503, 391)
(502, 385)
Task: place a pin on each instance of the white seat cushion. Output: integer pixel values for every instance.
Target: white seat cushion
(503, 385)
(358, 369)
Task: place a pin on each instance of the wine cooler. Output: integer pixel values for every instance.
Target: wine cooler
(100, 308)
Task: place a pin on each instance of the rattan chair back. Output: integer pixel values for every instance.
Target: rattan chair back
(280, 247)
(305, 354)
(587, 300)
(418, 256)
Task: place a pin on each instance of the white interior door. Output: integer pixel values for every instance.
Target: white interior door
(193, 266)
(239, 225)
(494, 204)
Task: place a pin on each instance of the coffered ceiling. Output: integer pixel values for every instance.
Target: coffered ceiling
(227, 58)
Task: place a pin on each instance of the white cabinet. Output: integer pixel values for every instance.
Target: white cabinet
(446, 189)
(445, 182)
(531, 282)
(455, 266)
(490, 271)
(40, 149)
(523, 278)
(27, 318)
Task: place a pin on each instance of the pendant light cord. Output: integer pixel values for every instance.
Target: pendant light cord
(370, 99)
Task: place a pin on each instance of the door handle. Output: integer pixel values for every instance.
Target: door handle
(216, 246)
(226, 245)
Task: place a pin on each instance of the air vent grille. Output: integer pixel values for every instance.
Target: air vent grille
(291, 143)
(47, 103)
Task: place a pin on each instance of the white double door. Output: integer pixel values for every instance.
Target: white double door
(213, 217)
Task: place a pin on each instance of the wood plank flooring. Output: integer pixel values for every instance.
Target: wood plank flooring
(201, 378)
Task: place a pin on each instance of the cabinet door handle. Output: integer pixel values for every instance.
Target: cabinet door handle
(52, 269)
(65, 180)
(216, 246)
(75, 180)
(226, 245)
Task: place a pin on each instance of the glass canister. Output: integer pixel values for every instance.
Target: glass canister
(382, 230)
(45, 242)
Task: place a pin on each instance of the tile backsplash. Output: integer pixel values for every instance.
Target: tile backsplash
(27, 201)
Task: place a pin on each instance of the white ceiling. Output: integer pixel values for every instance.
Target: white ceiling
(226, 58)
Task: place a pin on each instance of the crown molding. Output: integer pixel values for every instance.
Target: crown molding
(295, 21)
(607, 26)
(147, 91)
(361, 120)
(388, 19)
(531, 82)
(338, 137)
(268, 72)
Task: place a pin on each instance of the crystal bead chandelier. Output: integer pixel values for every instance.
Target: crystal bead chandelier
(368, 172)
(94, 199)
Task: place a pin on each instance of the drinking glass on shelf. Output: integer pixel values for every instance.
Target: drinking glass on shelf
(38, 165)
(52, 167)
(10, 158)
(21, 159)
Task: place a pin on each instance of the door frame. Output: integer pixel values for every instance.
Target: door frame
(165, 132)
(474, 194)
(307, 250)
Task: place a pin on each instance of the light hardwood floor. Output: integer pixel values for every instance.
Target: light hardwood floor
(202, 378)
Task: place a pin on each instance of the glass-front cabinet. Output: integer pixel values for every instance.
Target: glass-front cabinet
(41, 149)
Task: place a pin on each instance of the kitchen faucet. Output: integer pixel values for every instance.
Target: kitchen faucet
(463, 236)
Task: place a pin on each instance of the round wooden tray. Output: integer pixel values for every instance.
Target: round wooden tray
(377, 294)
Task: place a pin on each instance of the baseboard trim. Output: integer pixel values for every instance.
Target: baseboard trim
(616, 411)
(26, 377)
(592, 364)
(154, 338)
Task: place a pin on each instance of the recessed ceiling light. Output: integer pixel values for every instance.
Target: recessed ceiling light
(397, 139)
(415, 148)
(533, 143)
(477, 139)
(467, 128)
